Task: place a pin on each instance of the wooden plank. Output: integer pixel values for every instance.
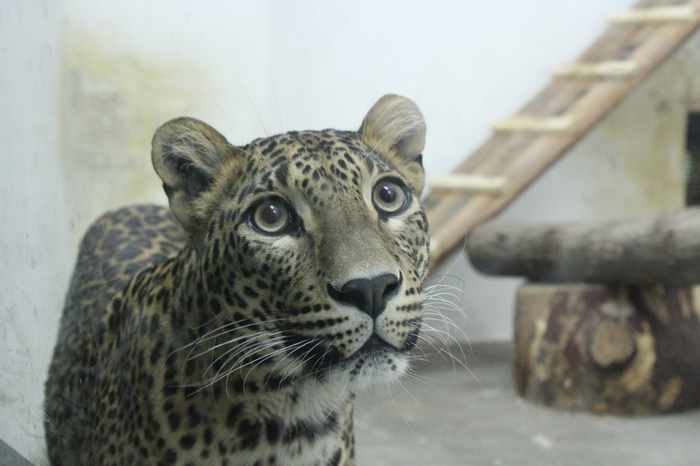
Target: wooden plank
(612, 69)
(521, 157)
(530, 124)
(661, 14)
(463, 183)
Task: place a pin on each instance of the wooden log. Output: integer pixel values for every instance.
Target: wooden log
(663, 249)
(608, 349)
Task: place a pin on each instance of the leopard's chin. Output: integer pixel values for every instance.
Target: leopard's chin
(374, 364)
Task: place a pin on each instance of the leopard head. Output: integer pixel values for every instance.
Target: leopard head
(313, 242)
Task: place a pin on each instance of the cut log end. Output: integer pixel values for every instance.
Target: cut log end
(612, 345)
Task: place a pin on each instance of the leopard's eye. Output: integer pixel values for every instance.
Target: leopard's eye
(271, 217)
(390, 197)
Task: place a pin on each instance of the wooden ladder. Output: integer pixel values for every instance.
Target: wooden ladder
(578, 97)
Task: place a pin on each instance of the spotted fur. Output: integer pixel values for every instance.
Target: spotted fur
(199, 337)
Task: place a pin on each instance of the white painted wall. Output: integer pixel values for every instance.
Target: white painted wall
(83, 85)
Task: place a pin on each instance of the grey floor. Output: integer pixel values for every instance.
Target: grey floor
(453, 417)
(9, 457)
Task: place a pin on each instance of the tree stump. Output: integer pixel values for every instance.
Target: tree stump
(608, 349)
(614, 324)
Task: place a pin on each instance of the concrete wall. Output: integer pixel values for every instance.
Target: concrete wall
(36, 244)
(84, 84)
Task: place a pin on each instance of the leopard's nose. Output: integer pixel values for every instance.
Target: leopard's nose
(369, 295)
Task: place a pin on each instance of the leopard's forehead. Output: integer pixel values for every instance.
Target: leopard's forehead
(316, 144)
(318, 165)
(326, 148)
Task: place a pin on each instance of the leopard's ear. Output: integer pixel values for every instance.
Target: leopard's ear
(395, 129)
(187, 154)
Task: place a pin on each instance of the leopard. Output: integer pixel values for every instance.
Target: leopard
(237, 326)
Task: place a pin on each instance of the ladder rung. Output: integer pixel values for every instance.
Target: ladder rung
(602, 70)
(468, 183)
(658, 14)
(534, 125)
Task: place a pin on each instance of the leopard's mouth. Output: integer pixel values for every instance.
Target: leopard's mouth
(373, 344)
(319, 358)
